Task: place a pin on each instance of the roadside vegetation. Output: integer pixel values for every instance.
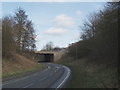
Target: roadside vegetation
(89, 74)
(20, 65)
(18, 45)
(94, 59)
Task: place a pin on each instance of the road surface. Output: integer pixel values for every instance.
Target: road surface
(55, 76)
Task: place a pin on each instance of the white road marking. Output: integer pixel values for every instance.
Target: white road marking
(43, 79)
(16, 80)
(11, 81)
(68, 74)
(46, 77)
(28, 85)
(57, 68)
(48, 67)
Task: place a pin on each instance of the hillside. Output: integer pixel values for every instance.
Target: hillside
(94, 59)
(18, 65)
(89, 74)
(18, 44)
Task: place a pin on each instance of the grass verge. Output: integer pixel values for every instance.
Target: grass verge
(90, 75)
(19, 66)
(22, 72)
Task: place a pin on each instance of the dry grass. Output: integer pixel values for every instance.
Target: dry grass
(19, 64)
(58, 55)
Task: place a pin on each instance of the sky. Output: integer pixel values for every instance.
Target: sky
(58, 0)
(57, 22)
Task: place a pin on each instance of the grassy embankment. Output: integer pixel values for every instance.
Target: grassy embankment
(89, 74)
(94, 59)
(19, 65)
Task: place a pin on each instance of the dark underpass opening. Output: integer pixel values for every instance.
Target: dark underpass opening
(49, 57)
(46, 57)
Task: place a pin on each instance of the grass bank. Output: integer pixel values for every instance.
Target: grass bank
(19, 65)
(87, 74)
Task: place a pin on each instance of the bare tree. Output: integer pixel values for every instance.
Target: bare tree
(49, 46)
(8, 44)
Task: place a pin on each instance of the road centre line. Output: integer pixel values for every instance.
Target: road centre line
(16, 80)
(11, 81)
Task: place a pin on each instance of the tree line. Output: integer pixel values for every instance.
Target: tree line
(18, 33)
(99, 35)
(50, 47)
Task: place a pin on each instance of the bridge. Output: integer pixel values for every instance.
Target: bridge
(48, 56)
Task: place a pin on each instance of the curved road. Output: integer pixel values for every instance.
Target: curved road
(55, 76)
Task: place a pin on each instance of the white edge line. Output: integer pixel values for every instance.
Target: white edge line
(28, 85)
(68, 74)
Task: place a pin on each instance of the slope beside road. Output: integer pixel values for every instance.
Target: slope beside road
(55, 76)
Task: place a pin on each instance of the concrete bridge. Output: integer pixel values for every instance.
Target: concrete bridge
(48, 56)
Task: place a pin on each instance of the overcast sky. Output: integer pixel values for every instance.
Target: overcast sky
(55, 21)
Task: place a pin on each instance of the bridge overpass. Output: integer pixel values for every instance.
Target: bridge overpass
(48, 56)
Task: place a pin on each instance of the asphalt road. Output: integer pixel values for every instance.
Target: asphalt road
(55, 76)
